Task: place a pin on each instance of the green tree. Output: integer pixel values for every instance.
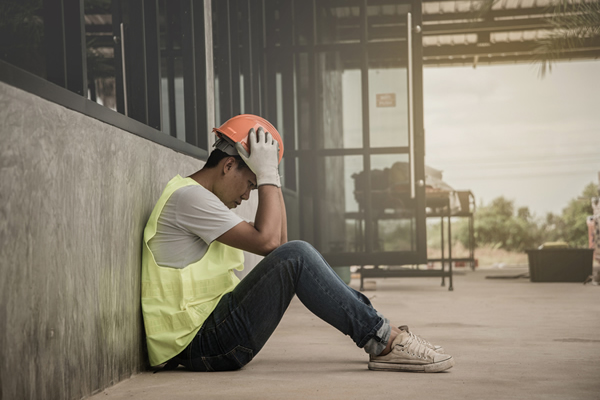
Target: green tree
(572, 225)
(550, 228)
(524, 213)
(498, 225)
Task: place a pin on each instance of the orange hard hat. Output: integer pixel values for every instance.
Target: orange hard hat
(236, 130)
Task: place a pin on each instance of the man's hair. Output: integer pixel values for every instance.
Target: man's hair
(217, 155)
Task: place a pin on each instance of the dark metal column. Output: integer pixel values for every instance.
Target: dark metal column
(234, 54)
(450, 287)
(76, 47)
(135, 65)
(368, 217)
(169, 55)
(66, 58)
(257, 49)
(272, 55)
(143, 63)
(443, 245)
(419, 130)
(153, 65)
(311, 160)
(194, 72)
(287, 83)
(223, 57)
(246, 54)
(117, 19)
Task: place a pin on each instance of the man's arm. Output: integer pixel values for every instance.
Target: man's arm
(284, 237)
(270, 225)
(266, 234)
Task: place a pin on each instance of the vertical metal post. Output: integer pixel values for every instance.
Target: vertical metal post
(272, 56)
(76, 46)
(314, 104)
(194, 71)
(201, 74)
(135, 64)
(287, 83)
(224, 60)
(450, 287)
(234, 54)
(54, 36)
(124, 70)
(411, 129)
(188, 49)
(210, 73)
(471, 241)
(170, 64)
(416, 46)
(247, 54)
(118, 55)
(307, 192)
(366, 127)
(442, 247)
(256, 44)
(66, 55)
(153, 67)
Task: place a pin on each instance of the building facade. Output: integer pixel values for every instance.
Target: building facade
(104, 101)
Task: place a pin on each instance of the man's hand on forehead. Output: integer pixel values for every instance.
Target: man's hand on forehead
(263, 158)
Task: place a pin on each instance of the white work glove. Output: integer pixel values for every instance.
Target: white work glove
(263, 158)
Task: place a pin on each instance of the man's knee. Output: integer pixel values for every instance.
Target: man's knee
(297, 253)
(296, 248)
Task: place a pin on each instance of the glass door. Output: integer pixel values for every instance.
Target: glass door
(358, 143)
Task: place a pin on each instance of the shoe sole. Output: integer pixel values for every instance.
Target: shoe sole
(433, 367)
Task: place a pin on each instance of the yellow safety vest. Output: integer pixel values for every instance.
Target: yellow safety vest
(176, 302)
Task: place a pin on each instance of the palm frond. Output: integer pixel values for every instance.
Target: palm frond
(573, 24)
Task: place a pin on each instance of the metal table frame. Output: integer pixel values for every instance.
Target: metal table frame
(440, 207)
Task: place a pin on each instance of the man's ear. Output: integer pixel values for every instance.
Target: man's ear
(229, 164)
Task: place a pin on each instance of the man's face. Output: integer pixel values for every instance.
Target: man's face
(236, 185)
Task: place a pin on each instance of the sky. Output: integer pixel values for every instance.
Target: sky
(505, 131)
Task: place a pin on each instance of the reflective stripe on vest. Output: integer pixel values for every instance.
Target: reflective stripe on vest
(176, 302)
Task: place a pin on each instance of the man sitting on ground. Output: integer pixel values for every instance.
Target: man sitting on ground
(197, 312)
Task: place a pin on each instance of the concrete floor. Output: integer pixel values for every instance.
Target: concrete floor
(511, 339)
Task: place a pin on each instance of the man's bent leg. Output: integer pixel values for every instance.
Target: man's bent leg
(245, 318)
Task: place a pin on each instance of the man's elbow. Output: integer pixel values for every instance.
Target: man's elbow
(270, 245)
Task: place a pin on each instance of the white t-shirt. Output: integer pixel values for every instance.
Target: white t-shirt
(190, 221)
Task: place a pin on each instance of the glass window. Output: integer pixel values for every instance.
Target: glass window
(149, 89)
(392, 209)
(22, 35)
(341, 223)
(338, 21)
(339, 100)
(387, 22)
(102, 87)
(388, 107)
(352, 108)
(304, 99)
(173, 109)
(303, 23)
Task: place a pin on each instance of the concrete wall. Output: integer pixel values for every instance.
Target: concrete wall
(75, 195)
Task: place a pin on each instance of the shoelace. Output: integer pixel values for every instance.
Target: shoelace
(422, 341)
(416, 348)
(417, 337)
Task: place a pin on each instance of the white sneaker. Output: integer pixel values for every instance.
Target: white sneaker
(434, 347)
(410, 354)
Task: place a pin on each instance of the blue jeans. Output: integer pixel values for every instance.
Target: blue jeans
(246, 317)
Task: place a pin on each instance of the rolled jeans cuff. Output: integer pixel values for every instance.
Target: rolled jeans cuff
(379, 341)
